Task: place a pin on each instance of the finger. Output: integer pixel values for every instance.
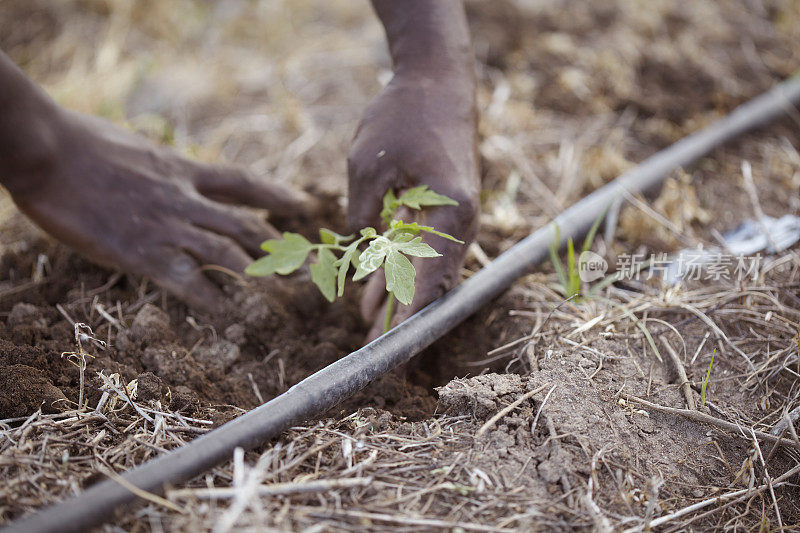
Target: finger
(365, 196)
(378, 323)
(232, 184)
(179, 274)
(373, 296)
(212, 249)
(437, 275)
(246, 228)
(460, 221)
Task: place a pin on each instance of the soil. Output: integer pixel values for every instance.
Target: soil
(276, 332)
(269, 335)
(580, 91)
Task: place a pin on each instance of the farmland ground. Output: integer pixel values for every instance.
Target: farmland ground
(571, 94)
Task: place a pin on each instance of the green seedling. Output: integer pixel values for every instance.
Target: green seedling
(704, 386)
(388, 250)
(569, 279)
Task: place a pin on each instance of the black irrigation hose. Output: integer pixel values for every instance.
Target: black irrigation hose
(319, 392)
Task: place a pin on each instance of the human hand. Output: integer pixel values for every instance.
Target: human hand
(122, 201)
(419, 131)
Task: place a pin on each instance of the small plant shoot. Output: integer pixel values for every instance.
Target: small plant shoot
(335, 253)
(704, 387)
(569, 281)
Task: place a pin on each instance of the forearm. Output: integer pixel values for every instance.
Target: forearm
(427, 37)
(28, 119)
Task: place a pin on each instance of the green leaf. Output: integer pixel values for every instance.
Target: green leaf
(422, 196)
(400, 275)
(399, 225)
(349, 257)
(355, 261)
(368, 232)
(401, 237)
(415, 228)
(286, 255)
(390, 205)
(372, 258)
(417, 248)
(323, 273)
(327, 236)
(415, 198)
(261, 267)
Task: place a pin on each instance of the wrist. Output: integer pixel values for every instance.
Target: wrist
(28, 126)
(28, 157)
(428, 39)
(451, 90)
(444, 67)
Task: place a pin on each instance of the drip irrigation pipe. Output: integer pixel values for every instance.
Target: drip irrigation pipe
(319, 392)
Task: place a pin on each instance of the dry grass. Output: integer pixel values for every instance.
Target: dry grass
(47, 458)
(569, 96)
(372, 471)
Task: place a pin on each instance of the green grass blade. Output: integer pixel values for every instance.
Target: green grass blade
(572, 266)
(587, 242)
(705, 381)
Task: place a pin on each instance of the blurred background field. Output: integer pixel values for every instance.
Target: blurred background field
(571, 94)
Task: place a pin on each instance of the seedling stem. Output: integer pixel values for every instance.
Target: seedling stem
(387, 322)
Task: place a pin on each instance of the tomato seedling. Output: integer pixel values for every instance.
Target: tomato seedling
(388, 250)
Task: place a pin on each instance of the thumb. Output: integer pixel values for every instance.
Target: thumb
(435, 276)
(365, 197)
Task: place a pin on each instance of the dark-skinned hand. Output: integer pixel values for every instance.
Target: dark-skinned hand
(418, 131)
(121, 201)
